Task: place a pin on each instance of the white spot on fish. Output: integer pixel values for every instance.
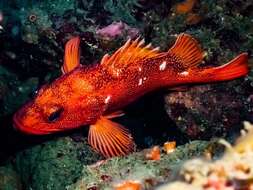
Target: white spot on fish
(140, 82)
(145, 78)
(185, 73)
(116, 72)
(107, 99)
(162, 67)
(140, 69)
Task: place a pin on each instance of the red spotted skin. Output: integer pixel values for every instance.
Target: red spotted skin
(85, 94)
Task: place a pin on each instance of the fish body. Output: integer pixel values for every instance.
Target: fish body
(95, 94)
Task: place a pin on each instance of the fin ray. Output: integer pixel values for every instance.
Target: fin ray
(115, 114)
(235, 68)
(71, 55)
(187, 51)
(110, 138)
(127, 55)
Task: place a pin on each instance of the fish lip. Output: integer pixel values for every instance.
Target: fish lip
(27, 130)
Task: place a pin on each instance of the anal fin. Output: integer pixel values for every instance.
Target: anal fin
(110, 138)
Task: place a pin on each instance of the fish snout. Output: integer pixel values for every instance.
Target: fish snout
(20, 126)
(26, 121)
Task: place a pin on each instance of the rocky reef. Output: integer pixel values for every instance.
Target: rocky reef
(138, 167)
(54, 164)
(33, 34)
(232, 171)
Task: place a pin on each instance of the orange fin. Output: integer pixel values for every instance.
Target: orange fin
(233, 69)
(115, 114)
(128, 55)
(71, 56)
(110, 138)
(187, 51)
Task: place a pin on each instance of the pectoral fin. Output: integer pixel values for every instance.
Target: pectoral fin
(115, 114)
(110, 138)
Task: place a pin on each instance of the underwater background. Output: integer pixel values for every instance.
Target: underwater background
(32, 38)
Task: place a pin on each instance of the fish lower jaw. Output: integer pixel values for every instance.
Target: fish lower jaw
(28, 130)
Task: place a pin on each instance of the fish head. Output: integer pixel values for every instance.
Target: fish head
(63, 105)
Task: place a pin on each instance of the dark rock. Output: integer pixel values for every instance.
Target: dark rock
(207, 111)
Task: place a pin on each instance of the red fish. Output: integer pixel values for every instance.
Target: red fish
(95, 94)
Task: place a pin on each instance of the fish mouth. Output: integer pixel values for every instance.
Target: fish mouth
(19, 126)
(35, 129)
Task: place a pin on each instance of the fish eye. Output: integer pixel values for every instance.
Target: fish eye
(55, 115)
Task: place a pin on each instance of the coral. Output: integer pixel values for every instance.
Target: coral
(154, 154)
(128, 185)
(169, 147)
(234, 170)
(117, 29)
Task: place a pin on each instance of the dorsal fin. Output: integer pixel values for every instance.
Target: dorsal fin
(71, 55)
(128, 55)
(187, 51)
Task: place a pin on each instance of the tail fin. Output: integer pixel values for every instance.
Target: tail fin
(71, 55)
(234, 69)
(186, 51)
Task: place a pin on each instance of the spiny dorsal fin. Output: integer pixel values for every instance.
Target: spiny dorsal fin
(187, 51)
(128, 55)
(71, 55)
(110, 138)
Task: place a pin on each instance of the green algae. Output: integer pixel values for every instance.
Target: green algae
(9, 179)
(54, 164)
(122, 10)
